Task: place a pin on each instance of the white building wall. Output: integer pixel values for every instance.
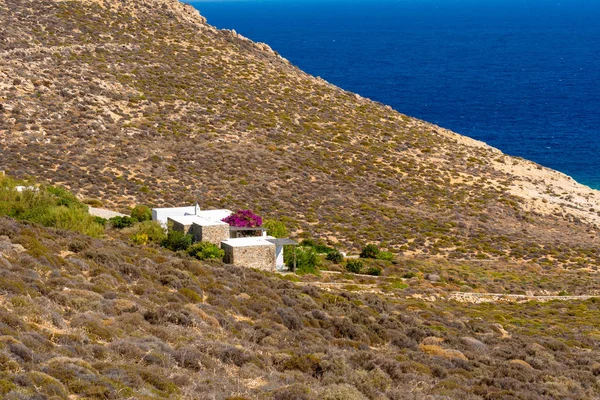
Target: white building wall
(162, 214)
(279, 263)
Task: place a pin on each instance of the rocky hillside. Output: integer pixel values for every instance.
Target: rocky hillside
(144, 102)
(84, 318)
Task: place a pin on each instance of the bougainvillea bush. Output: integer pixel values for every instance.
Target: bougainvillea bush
(244, 219)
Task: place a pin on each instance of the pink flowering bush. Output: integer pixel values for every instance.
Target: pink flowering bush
(243, 219)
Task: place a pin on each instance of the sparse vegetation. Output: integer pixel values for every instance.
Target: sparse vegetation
(431, 193)
(140, 102)
(114, 321)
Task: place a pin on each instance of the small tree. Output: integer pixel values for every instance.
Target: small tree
(307, 261)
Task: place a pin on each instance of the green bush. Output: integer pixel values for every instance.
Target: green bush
(140, 239)
(100, 220)
(177, 240)
(153, 231)
(354, 266)
(385, 255)
(307, 260)
(275, 228)
(122, 222)
(141, 213)
(205, 251)
(369, 251)
(74, 219)
(336, 256)
(375, 271)
(47, 205)
(319, 247)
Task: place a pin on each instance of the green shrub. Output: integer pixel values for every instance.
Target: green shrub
(152, 230)
(141, 213)
(399, 285)
(354, 266)
(205, 251)
(369, 251)
(100, 220)
(385, 255)
(319, 247)
(275, 228)
(140, 239)
(177, 240)
(308, 243)
(73, 219)
(307, 260)
(47, 205)
(336, 256)
(122, 222)
(374, 270)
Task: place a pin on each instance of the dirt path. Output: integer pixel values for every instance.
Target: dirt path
(463, 297)
(104, 213)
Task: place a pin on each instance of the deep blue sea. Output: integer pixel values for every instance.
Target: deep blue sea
(521, 75)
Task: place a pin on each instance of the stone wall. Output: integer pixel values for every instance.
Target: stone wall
(176, 226)
(213, 233)
(259, 257)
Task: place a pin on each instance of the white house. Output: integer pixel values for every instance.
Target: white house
(261, 252)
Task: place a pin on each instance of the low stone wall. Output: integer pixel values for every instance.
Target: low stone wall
(259, 257)
(214, 233)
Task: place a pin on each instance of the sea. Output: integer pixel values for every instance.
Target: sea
(521, 75)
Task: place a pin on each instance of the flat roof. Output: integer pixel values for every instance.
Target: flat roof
(193, 219)
(247, 242)
(186, 208)
(281, 242)
(214, 215)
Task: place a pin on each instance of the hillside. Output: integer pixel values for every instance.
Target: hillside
(144, 102)
(98, 319)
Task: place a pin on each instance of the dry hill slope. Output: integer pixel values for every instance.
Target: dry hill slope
(142, 101)
(99, 319)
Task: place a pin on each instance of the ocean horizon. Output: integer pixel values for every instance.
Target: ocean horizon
(521, 76)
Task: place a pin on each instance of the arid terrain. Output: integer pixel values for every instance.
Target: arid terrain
(143, 102)
(490, 292)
